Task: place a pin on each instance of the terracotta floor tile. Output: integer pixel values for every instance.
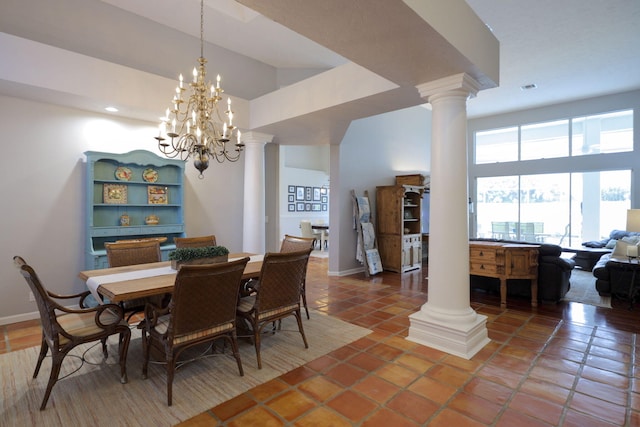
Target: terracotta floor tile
(553, 376)
(578, 419)
(545, 390)
(568, 343)
(258, 416)
(536, 407)
(489, 390)
(352, 405)
(363, 343)
(448, 375)
(366, 361)
(415, 363)
(346, 374)
(205, 419)
(602, 391)
(291, 404)
(322, 416)
(469, 366)
(430, 353)
(511, 418)
(266, 391)
(500, 375)
(559, 364)
(323, 363)
(610, 353)
(385, 352)
(412, 406)
(565, 353)
(622, 347)
(475, 407)
(233, 407)
(520, 353)
(526, 343)
(450, 418)
(397, 374)
(320, 388)
(387, 418)
(511, 363)
(433, 390)
(376, 389)
(609, 365)
(344, 352)
(298, 375)
(598, 408)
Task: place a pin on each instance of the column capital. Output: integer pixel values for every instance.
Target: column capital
(252, 137)
(456, 82)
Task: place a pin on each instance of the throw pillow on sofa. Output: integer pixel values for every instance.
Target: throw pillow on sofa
(622, 245)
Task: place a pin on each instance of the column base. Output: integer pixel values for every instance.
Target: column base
(463, 339)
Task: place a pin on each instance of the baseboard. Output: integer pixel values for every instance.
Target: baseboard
(19, 318)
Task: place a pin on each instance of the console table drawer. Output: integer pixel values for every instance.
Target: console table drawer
(482, 255)
(481, 269)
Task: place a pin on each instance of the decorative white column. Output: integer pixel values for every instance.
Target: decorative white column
(447, 322)
(253, 223)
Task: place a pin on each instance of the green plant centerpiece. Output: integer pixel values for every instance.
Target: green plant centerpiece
(203, 255)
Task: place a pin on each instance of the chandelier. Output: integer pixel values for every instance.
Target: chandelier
(195, 125)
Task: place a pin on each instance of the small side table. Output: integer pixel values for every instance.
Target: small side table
(634, 265)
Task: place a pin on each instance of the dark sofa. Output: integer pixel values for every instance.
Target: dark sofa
(613, 278)
(554, 273)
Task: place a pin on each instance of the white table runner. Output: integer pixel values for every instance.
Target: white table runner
(94, 282)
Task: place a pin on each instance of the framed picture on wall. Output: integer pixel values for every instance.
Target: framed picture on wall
(315, 207)
(323, 190)
(300, 193)
(307, 207)
(292, 189)
(324, 207)
(307, 194)
(292, 207)
(325, 199)
(316, 194)
(291, 196)
(300, 206)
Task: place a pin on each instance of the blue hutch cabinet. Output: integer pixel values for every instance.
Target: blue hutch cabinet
(133, 195)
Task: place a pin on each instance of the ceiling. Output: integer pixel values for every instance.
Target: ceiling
(570, 49)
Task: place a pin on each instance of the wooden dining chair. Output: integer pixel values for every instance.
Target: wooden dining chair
(120, 254)
(294, 244)
(195, 242)
(278, 295)
(308, 232)
(202, 309)
(64, 328)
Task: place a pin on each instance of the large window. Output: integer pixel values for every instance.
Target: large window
(565, 209)
(597, 134)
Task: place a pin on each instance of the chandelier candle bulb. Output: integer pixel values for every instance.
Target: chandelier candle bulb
(199, 110)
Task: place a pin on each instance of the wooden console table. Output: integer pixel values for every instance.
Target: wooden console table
(505, 261)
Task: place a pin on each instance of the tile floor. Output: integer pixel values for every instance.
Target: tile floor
(563, 364)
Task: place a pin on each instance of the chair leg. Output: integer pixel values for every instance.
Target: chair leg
(303, 291)
(300, 328)
(123, 346)
(145, 353)
(236, 353)
(171, 367)
(56, 364)
(256, 342)
(44, 349)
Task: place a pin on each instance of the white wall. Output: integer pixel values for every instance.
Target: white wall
(42, 189)
(374, 150)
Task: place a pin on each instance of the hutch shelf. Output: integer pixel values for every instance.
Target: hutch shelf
(134, 195)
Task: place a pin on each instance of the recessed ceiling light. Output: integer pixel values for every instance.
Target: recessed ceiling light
(529, 86)
(112, 109)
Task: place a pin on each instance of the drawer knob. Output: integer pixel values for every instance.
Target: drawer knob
(481, 253)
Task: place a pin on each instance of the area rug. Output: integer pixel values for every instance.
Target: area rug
(583, 290)
(94, 396)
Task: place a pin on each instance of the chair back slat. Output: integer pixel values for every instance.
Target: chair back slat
(121, 254)
(43, 301)
(295, 243)
(205, 296)
(280, 280)
(195, 242)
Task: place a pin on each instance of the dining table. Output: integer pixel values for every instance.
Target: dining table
(130, 282)
(324, 229)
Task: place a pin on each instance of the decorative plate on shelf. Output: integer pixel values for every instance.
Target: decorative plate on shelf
(150, 175)
(123, 173)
